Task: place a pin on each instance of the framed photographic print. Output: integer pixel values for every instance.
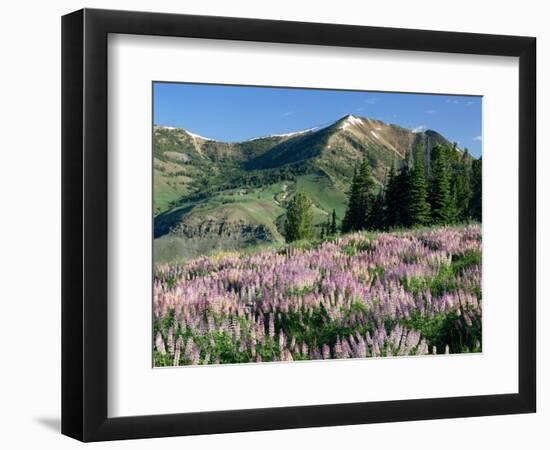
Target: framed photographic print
(274, 225)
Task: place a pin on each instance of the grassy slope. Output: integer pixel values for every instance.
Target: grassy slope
(215, 181)
(324, 195)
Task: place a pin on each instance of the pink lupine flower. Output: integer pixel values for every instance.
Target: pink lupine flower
(189, 348)
(286, 355)
(338, 351)
(282, 339)
(242, 297)
(360, 350)
(423, 348)
(195, 356)
(170, 340)
(271, 326)
(159, 343)
(177, 351)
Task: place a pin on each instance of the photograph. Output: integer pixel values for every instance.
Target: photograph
(300, 224)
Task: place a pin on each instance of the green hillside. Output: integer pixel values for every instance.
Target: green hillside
(212, 196)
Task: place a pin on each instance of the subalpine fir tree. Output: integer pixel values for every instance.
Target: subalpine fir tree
(333, 227)
(463, 188)
(299, 218)
(361, 199)
(367, 194)
(442, 208)
(402, 181)
(392, 207)
(417, 207)
(351, 218)
(377, 219)
(475, 182)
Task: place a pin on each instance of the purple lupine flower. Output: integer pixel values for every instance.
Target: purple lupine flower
(159, 343)
(170, 340)
(338, 351)
(177, 351)
(271, 326)
(282, 340)
(286, 355)
(240, 296)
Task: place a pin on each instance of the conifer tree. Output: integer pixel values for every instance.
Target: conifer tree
(453, 218)
(351, 217)
(392, 206)
(361, 199)
(402, 181)
(333, 227)
(299, 218)
(378, 214)
(367, 194)
(475, 202)
(440, 193)
(463, 188)
(416, 204)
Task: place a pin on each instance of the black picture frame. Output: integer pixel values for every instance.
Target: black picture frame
(84, 224)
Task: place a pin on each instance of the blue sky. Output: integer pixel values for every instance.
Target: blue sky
(237, 113)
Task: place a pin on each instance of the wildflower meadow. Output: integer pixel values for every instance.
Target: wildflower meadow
(360, 295)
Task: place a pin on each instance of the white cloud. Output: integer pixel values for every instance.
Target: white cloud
(370, 101)
(477, 138)
(419, 129)
(430, 111)
(288, 113)
(469, 103)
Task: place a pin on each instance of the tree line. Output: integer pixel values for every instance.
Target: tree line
(441, 188)
(443, 192)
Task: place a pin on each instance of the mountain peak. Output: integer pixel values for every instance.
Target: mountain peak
(349, 120)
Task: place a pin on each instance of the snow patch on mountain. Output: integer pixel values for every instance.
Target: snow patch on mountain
(193, 135)
(292, 133)
(350, 121)
(198, 136)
